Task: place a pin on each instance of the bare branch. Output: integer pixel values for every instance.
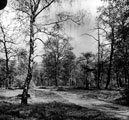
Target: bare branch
(44, 8)
(40, 40)
(102, 29)
(12, 56)
(56, 22)
(89, 35)
(36, 5)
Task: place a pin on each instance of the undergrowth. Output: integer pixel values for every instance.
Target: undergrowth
(50, 111)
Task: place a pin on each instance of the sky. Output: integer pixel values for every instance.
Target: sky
(80, 43)
(86, 43)
(89, 8)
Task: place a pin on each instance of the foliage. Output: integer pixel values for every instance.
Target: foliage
(114, 19)
(2, 72)
(58, 60)
(125, 95)
(86, 64)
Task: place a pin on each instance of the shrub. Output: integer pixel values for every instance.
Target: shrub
(5, 117)
(125, 94)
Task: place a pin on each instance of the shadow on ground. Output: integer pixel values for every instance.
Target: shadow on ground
(49, 111)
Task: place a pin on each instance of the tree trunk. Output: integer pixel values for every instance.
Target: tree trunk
(128, 81)
(56, 76)
(30, 63)
(86, 82)
(125, 73)
(110, 61)
(109, 74)
(25, 90)
(98, 76)
(117, 79)
(6, 57)
(7, 71)
(57, 63)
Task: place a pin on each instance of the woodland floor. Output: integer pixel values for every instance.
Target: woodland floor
(50, 104)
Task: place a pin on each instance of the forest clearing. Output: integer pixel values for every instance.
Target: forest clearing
(64, 60)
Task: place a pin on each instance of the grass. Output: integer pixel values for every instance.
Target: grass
(105, 95)
(121, 101)
(62, 110)
(50, 111)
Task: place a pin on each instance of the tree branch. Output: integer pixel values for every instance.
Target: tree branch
(44, 8)
(89, 35)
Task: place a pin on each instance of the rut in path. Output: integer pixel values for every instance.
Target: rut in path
(116, 111)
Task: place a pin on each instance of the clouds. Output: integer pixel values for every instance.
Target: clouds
(85, 43)
(89, 7)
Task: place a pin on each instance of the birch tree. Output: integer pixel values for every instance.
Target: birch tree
(31, 10)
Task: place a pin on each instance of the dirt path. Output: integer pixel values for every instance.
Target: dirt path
(114, 110)
(111, 109)
(46, 95)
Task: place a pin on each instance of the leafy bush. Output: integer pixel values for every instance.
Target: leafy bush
(125, 95)
(19, 81)
(5, 117)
